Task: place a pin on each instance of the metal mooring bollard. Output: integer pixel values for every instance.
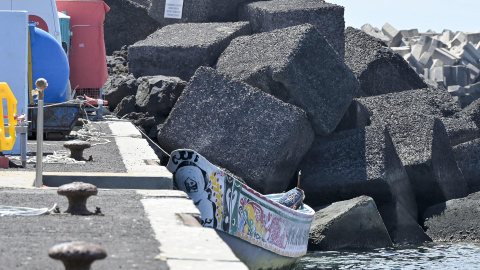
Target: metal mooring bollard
(76, 148)
(77, 255)
(77, 194)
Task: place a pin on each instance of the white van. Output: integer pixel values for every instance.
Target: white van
(42, 12)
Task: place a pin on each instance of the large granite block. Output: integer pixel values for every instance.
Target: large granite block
(445, 56)
(435, 44)
(409, 33)
(470, 95)
(402, 227)
(472, 111)
(446, 36)
(436, 73)
(414, 63)
(399, 106)
(402, 51)
(461, 130)
(470, 47)
(421, 46)
(424, 148)
(356, 162)
(455, 220)
(392, 33)
(270, 15)
(421, 140)
(240, 128)
(363, 162)
(125, 24)
(297, 65)
(378, 69)
(461, 127)
(425, 58)
(375, 32)
(473, 73)
(457, 75)
(350, 224)
(467, 156)
(178, 50)
(473, 37)
(197, 11)
(458, 40)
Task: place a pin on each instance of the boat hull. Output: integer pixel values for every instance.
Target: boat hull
(271, 235)
(256, 257)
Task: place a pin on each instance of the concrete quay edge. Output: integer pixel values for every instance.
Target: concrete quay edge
(184, 243)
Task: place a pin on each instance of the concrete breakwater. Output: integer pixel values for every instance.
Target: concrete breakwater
(450, 59)
(284, 86)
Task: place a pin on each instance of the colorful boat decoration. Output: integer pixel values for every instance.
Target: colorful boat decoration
(263, 233)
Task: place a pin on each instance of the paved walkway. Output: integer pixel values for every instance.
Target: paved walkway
(141, 227)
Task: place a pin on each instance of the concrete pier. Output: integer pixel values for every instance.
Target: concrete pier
(144, 224)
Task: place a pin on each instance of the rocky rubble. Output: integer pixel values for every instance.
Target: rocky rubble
(126, 23)
(273, 101)
(449, 59)
(454, 220)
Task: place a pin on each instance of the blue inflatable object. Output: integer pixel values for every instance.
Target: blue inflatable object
(49, 61)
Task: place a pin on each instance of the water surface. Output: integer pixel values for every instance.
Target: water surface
(463, 256)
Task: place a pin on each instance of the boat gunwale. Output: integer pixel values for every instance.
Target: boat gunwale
(278, 206)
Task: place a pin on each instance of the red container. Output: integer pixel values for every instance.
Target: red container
(88, 60)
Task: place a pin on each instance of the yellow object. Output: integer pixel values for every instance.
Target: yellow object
(7, 130)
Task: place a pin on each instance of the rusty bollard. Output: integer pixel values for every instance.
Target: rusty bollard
(77, 194)
(76, 148)
(77, 255)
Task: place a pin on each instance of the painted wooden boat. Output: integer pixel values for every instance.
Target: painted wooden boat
(262, 233)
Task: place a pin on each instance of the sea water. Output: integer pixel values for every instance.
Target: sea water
(463, 256)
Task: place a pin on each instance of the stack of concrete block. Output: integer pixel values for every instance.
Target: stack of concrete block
(236, 126)
(378, 69)
(432, 102)
(448, 59)
(415, 120)
(179, 49)
(328, 18)
(468, 159)
(328, 230)
(468, 153)
(297, 65)
(363, 162)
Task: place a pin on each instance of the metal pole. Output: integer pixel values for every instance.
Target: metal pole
(23, 141)
(22, 128)
(100, 105)
(38, 178)
(23, 148)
